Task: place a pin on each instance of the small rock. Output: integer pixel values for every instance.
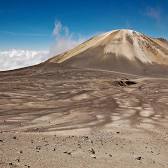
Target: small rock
(69, 153)
(91, 141)
(14, 137)
(79, 145)
(38, 147)
(21, 151)
(93, 156)
(110, 155)
(10, 163)
(139, 158)
(18, 160)
(1, 140)
(85, 137)
(117, 132)
(92, 151)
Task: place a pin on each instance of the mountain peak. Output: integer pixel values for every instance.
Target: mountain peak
(117, 48)
(124, 31)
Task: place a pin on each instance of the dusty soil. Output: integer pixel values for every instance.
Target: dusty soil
(52, 116)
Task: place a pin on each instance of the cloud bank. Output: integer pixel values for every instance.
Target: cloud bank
(14, 59)
(63, 41)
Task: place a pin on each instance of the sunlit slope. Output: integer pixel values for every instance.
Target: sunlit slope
(119, 50)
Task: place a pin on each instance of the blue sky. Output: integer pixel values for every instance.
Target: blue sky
(28, 24)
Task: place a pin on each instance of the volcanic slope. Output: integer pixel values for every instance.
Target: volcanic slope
(124, 50)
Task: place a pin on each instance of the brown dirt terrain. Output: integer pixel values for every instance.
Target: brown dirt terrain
(55, 116)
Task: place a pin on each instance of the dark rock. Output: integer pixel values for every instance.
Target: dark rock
(91, 141)
(128, 83)
(124, 83)
(79, 145)
(93, 156)
(69, 153)
(92, 151)
(38, 147)
(139, 158)
(18, 160)
(85, 137)
(14, 137)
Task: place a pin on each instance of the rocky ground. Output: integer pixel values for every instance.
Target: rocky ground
(52, 116)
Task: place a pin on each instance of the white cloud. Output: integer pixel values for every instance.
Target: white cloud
(14, 59)
(57, 28)
(64, 39)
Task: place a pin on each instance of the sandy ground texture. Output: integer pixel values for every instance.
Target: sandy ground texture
(56, 117)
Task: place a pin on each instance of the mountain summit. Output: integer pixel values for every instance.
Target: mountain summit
(119, 50)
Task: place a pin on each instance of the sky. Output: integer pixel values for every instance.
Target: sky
(58, 25)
